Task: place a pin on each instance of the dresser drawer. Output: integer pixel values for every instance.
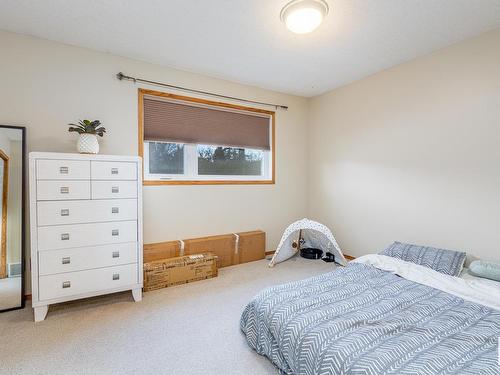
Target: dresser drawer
(62, 190)
(81, 282)
(114, 189)
(62, 170)
(112, 170)
(84, 258)
(86, 211)
(79, 235)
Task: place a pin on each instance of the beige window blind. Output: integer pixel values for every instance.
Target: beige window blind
(187, 123)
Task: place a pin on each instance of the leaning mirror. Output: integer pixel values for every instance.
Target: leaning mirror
(12, 164)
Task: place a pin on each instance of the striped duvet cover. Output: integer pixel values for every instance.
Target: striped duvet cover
(362, 320)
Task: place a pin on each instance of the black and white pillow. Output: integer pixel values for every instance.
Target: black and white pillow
(449, 262)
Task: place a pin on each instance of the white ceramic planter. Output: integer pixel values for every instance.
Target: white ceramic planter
(87, 144)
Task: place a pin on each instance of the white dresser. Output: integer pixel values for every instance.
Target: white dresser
(86, 227)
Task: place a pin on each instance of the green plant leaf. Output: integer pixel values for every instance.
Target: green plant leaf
(87, 127)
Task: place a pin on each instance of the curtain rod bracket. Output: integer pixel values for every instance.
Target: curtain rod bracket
(120, 76)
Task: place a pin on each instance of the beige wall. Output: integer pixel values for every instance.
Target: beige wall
(46, 85)
(14, 228)
(5, 144)
(408, 154)
(413, 153)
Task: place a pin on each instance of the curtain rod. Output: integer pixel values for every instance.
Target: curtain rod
(122, 76)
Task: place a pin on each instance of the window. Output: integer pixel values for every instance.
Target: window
(165, 158)
(229, 161)
(186, 140)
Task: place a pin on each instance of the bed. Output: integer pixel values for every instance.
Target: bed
(378, 315)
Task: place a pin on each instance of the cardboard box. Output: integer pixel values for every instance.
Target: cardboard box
(223, 246)
(251, 246)
(180, 270)
(161, 250)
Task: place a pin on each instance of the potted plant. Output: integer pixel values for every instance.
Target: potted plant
(87, 135)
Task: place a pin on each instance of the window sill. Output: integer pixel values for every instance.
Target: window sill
(209, 182)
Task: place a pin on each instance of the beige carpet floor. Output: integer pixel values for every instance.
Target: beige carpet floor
(10, 292)
(187, 329)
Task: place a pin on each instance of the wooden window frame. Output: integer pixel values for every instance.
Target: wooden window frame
(144, 92)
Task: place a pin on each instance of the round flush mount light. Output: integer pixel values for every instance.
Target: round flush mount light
(304, 16)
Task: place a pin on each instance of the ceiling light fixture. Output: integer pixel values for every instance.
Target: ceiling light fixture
(304, 16)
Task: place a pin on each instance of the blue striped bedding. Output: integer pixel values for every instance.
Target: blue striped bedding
(362, 320)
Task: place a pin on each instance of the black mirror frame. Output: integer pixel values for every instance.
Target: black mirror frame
(23, 217)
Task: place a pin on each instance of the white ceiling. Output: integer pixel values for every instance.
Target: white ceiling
(244, 40)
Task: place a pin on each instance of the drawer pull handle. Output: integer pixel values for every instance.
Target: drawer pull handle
(116, 276)
(66, 284)
(64, 190)
(64, 236)
(63, 170)
(116, 254)
(115, 189)
(65, 212)
(114, 170)
(115, 210)
(115, 232)
(66, 260)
